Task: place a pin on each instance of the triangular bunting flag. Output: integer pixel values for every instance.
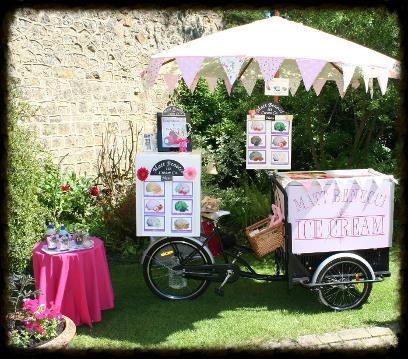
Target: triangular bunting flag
(153, 70)
(212, 82)
(232, 65)
(355, 84)
(309, 70)
(378, 180)
(383, 80)
(189, 67)
(318, 85)
(171, 81)
(322, 182)
(348, 72)
(340, 86)
(249, 84)
(194, 84)
(269, 66)
(293, 86)
(362, 182)
(228, 86)
(341, 183)
(371, 87)
(307, 184)
(366, 76)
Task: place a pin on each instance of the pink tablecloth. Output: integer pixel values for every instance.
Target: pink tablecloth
(78, 282)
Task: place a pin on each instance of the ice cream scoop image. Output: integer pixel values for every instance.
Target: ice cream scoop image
(153, 222)
(154, 205)
(256, 140)
(154, 188)
(257, 126)
(256, 156)
(182, 188)
(181, 223)
(279, 141)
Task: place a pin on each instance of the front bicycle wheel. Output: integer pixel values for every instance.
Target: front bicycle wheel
(166, 282)
(340, 296)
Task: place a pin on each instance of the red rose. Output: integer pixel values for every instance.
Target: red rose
(65, 187)
(94, 191)
(142, 173)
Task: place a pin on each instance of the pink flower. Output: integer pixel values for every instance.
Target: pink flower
(39, 316)
(189, 173)
(28, 325)
(31, 305)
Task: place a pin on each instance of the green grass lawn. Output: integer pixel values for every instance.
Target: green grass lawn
(251, 312)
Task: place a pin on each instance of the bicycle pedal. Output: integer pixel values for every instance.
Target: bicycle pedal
(219, 291)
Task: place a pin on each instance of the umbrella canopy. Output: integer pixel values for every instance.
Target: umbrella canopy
(262, 48)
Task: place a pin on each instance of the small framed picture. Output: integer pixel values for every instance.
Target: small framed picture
(172, 125)
(149, 142)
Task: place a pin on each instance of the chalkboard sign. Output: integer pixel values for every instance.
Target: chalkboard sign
(270, 109)
(167, 167)
(172, 124)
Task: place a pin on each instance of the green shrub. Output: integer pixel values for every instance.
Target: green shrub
(68, 198)
(26, 214)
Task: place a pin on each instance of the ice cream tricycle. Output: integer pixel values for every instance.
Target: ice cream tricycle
(332, 236)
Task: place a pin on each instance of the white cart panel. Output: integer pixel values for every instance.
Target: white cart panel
(347, 210)
(168, 202)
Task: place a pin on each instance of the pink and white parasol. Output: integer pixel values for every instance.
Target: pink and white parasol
(260, 49)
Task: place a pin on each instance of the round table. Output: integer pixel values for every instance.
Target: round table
(77, 283)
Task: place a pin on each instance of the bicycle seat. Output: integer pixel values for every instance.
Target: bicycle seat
(214, 216)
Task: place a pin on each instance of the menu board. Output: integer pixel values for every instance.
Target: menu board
(168, 194)
(269, 141)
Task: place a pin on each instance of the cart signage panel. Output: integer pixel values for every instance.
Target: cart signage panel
(168, 194)
(328, 216)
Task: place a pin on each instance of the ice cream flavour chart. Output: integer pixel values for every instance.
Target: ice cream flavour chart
(269, 137)
(168, 194)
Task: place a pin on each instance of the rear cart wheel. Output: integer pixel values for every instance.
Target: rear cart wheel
(166, 282)
(344, 296)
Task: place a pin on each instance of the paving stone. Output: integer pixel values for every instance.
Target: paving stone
(308, 340)
(327, 338)
(357, 333)
(288, 344)
(389, 340)
(373, 343)
(378, 331)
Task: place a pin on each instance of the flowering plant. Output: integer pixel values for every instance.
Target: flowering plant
(34, 324)
(142, 173)
(94, 191)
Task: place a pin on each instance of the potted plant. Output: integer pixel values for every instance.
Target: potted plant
(31, 324)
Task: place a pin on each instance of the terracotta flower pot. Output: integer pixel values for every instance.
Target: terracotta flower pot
(62, 340)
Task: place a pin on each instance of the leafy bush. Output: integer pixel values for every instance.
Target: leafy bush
(70, 199)
(26, 213)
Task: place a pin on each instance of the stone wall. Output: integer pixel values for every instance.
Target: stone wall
(80, 71)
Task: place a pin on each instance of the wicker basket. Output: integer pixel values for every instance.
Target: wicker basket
(267, 239)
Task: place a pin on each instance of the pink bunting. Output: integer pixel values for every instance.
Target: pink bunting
(249, 84)
(228, 86)
(212, 82)
(232, 65)
(318, 85)
(153, 70)
(307, 184)
(171, 81)
(194, 84)
(189, 67)
(309, 70)
(269, 66)
(355, 84)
